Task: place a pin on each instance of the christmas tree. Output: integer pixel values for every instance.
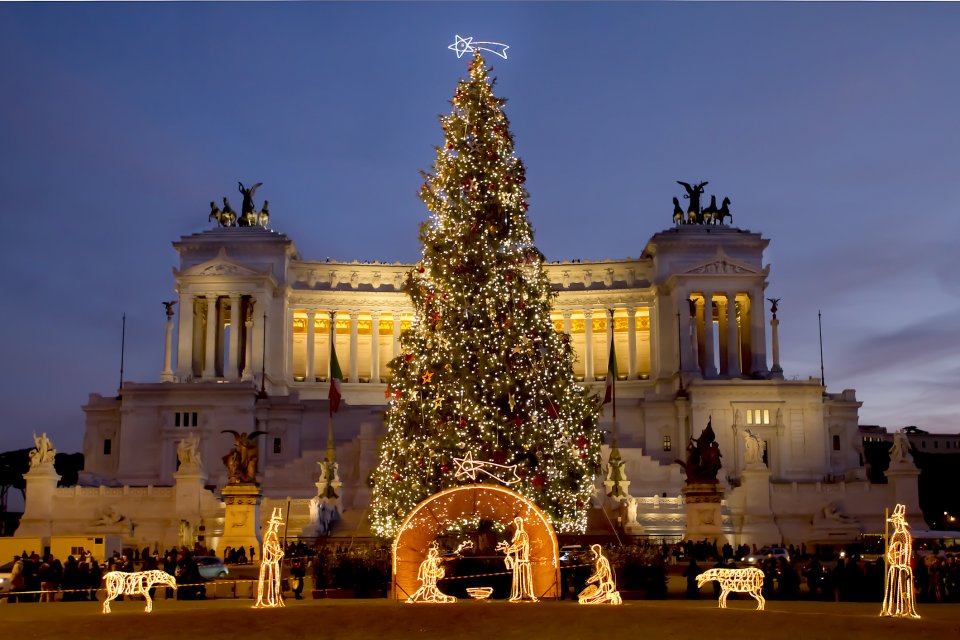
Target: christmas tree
(484, 373)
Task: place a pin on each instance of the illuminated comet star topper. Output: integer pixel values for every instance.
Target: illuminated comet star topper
(469, 467)
(466, 45)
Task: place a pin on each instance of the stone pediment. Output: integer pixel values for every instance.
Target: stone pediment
(219, 266)
(722, 266)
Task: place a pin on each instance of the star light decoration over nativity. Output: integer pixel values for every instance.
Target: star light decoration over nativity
(469, 468)
(461, 46)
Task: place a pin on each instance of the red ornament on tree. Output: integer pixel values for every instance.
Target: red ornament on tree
(582, 441)
(539, 481)
(408, 357)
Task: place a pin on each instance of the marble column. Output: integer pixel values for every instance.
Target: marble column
(687, 361)
(733, 337)
(759, 342)
(233, 370)
(588, 345)
(701, 347)
(776, 371)
(185, 338)
(375, 347)
(723, 334)
(396, 333)
(167, 374)
(354, 327)
(631, 343)
(566, 322)
(332, 346)
(709, 359)
(248, 349)
(608, 314)
(311, 375)
(208, 367)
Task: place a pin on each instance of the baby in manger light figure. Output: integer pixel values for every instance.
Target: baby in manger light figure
(518, 560)
(431, 570)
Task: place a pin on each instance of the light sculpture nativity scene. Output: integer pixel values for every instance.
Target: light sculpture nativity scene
(483, 375)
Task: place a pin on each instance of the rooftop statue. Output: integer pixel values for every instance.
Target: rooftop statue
(248, 215)
(241, 461)
(711, 214)
(703, 458)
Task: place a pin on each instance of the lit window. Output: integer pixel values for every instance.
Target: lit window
(667, 445)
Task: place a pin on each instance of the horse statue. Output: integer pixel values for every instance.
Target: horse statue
(723, 212)
(677, 212)
(263, 218)
(710, 211)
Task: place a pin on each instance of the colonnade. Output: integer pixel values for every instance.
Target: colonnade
(219, 337)
(738, 350)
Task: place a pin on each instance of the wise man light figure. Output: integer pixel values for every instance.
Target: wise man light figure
(898, 597)
(602, 588)
(268, 588)
(430, 571)
(518, 560)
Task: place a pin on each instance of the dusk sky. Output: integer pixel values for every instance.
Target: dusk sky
(833, 128)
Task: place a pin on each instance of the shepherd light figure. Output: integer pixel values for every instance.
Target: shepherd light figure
(139, 583)
(431, 570)
(518, 561)
(268, 588)
(604, 587)
(898, 597)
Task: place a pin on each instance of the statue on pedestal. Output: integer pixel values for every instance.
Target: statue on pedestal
(900, 451)
(241, 461)
(188, 452)
(703, 458)
(43, 453)
(753, 448)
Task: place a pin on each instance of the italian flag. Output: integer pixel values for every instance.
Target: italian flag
(610, 395)
(336, 376)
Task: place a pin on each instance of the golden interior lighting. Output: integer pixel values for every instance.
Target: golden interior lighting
(740, 580)
(139, 583)
(601, 586)
(268, 587)
(898, 597)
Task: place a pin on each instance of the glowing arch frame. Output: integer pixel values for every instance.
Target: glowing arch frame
(504, 506)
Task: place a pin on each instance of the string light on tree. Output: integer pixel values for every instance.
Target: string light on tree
(484, 378)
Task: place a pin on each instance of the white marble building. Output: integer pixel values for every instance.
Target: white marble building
(249, 349)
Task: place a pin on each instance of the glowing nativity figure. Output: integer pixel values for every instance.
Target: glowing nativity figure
(430, 571)
(518, 561)
(139, 583)
(740, 580)
(268, 588)
(604, 587)
(898, 598)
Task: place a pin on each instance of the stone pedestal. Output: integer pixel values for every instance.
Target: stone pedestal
(704, 520)
(902, 478)
(188, 491)
(758, 526)
(37, 520)
(241, 524)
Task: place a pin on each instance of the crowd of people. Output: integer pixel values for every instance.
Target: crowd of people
(48, 579)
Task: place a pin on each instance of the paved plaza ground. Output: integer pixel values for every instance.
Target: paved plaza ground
(553, 620)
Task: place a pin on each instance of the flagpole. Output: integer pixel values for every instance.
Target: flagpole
(613, 371)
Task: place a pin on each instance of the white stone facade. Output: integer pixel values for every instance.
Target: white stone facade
(250, 350)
